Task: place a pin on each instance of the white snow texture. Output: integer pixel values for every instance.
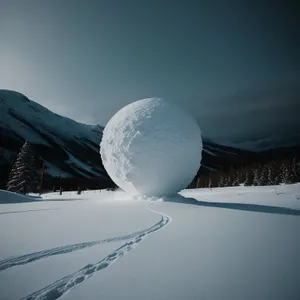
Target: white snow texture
(151, 147)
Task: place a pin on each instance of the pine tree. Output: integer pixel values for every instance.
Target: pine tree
(264, 175)
(295, 170)
(23, 176)
(248, 178)
(277, 179)
(270, 175)
(241, 176)
(285, 173)
(221, 182)
(228, 181)
(236, 178)
(273, 176)
(256, 179)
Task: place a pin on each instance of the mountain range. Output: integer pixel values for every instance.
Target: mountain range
(70, 150)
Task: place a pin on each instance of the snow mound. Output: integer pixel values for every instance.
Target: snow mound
(9, 197)
(151, 147)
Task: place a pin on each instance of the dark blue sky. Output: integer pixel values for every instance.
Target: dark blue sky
(87, 59)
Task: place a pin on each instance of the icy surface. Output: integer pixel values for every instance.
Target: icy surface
(219, 244)
(151, 147)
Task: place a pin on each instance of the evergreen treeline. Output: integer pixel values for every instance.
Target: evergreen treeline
(286, 171)
(24, 179)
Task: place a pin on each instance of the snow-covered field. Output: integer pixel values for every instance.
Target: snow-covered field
(227, 243)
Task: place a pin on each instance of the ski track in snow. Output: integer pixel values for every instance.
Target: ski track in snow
(64, 285)
(26, 211)
(31, 257)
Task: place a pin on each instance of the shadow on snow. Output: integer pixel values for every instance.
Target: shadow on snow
(236, 206)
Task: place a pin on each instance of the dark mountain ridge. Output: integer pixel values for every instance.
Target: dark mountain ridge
(70, 150)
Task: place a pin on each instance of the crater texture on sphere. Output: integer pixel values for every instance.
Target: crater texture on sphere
(151, 147)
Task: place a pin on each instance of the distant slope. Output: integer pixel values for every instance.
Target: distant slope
(216, 157)
(69, 149)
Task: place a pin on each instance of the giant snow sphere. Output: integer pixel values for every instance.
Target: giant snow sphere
(151, 147)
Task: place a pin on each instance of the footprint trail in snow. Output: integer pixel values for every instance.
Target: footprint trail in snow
(31, 257)
(64, 285)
